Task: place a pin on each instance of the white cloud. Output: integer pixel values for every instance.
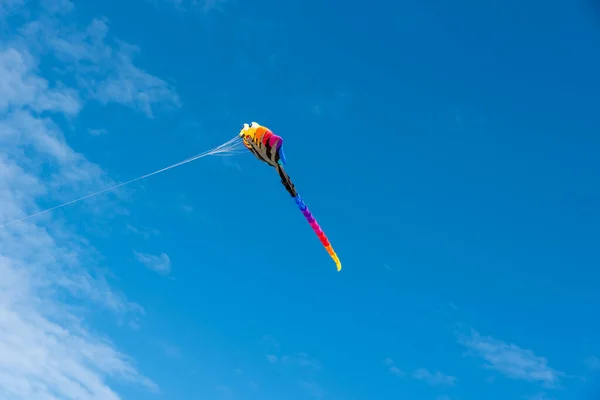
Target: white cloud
(45, 350)
(50, 276)
(187, 208)
(44, 359)
(302, 360)
(271, 342)
(172, 351)
(392, 368)
(191, 5)
(511, 360)
(20, 86)
(209, 5)
(58, 6)
(159, 263)
(7, 6)
(146, 233)
(314, 388)
(133, 86)
(272, 358)
(435, 379)
(224, 392)
(304, 367)
(102, 66)
(593, 363)
(538, 396)
(421, 374)
(97, 132)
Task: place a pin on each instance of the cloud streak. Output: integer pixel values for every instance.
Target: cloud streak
(538, 396)
(433, 379)
(159, 263)
(305, 367)
(97, 132)
(511, 360)
(301, 360)
(392, 368)
(103, 67)
(146, 233)
(51, 277)
(421, 374)
(191, 5)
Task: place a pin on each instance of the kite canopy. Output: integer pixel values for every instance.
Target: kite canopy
(268, 147)
(263, 143)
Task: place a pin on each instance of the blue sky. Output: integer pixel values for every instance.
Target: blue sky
(448, 151)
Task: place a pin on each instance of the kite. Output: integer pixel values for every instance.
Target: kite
(267, 147)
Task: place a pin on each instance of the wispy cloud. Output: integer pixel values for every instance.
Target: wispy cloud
(272, 358)
(171, 350)
(42, 359)
(511, 360)
(58, 6)
(421, 374)
(192, 5)
(144, 232)
(314, 388)
(187, 208)
(271, 342)
(300, 359)
(211, 5)
(301, 363)
(538, 396)
(184, 205)
(7, 6)
(593, 363)
(224, 392)
(21, 86)
(434, 379)
(103, 66)
(159, 263)
(97, 132)
(32, 145)
(392, 368)
(304, 367)
(50, 275)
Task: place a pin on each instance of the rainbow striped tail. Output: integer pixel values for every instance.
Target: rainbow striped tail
(289, 186)
(313, 223)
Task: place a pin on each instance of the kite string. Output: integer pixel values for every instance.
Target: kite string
(230, 147)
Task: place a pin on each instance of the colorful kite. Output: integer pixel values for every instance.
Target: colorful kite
(267, 147)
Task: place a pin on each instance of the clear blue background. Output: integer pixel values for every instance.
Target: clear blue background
(449, 150)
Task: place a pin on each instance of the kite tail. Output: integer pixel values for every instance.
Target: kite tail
(287, 182)
(313, 223)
